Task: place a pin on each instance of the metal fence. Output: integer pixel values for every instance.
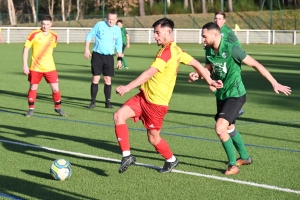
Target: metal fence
(145, 35)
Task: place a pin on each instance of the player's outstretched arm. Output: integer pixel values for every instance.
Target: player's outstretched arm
(205, 74)
(248, 60)
(145, 76)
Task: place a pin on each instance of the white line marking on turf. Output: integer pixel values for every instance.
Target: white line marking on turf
(155, 167)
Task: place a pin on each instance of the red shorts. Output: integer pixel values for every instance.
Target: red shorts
(152, 115)
(36, 77)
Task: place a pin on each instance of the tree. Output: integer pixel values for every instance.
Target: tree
(151, 5)
(51, 7)
(63, 10)
(32, 5)
(142, 7)
(11, 12)
(230, 9)
(69, 9)
(204, 6)
(185, 4)
(192, 6)
(78, 9)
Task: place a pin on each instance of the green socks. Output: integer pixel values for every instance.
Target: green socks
(124, 62)
(240, 146)
(229, 149)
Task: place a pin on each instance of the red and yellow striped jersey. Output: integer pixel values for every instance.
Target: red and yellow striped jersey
(159, 88)
(42, 50)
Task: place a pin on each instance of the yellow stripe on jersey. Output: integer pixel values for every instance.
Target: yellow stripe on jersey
(42, 50)
(159, 88)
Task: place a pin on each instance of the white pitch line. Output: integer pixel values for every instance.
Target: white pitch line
(155, 167)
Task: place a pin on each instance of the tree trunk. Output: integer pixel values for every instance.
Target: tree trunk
(11, 12)
(69, 9)
(204, 6)
(151, 5)
(185, 4)
(230, 9)
(168, 3)
(51, 7)
(78, 9)
(32, 5)
(192, 6)
(142, 7)
(97, 6)
(63, 10)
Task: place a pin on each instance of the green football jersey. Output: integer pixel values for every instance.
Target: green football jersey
(228, 34)
(124, 33)
(226, 66)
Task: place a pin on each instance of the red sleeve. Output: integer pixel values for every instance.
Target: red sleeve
(164, 53)
(32, 35)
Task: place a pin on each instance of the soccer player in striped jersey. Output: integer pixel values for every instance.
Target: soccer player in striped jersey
(42, 41)
(151, 104)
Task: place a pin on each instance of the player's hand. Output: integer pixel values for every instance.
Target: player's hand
(282, 88)
(193, 76)
(121, 90)
(119, 64)
(87, 54)
(26, 70)
(217, 84)
(128, 46)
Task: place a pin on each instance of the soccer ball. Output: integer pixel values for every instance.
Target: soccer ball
(61, 169)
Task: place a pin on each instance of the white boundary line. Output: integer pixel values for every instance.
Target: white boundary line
(155, 167)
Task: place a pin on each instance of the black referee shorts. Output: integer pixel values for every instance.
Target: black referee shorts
(102, 64)
(229, 108)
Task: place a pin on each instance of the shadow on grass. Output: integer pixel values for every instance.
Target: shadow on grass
(34, 190)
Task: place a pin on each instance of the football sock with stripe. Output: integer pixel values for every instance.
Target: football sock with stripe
(122, 135)
(163, 149)
(229, 149)
(94, 91)
(57, 99)
(31, 98)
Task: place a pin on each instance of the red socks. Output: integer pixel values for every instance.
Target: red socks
(31, 98)
(122, 135)
(163, 149)
(57, 99)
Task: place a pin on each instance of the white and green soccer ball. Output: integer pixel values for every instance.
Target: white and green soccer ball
(61, 169)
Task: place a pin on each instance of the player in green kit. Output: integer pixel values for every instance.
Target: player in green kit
(227, 34)
(224, 61)
(126, 42)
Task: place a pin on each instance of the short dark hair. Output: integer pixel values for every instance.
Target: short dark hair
(164, 22)
(211, 26)
(220, 13)
(47, 18)
(112, 12)
(119, 20)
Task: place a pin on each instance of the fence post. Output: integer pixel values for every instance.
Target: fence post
(134, 21)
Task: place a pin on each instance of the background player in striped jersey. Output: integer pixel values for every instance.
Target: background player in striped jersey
(42, 41)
